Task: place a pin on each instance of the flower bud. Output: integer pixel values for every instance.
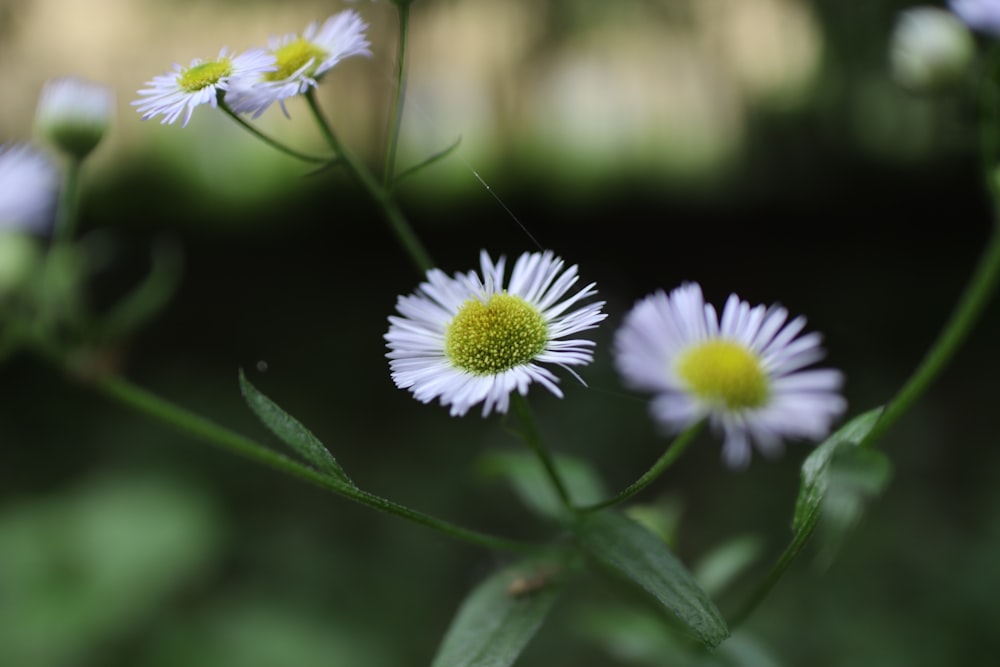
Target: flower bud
(930, 49)
(74, 114)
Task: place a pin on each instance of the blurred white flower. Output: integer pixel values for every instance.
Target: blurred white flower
(471, 338)
(29, 185)
(186, 88)
(301, 62)
(74, 114)
(744, 373)
(930, 49)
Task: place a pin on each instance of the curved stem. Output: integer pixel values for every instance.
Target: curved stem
(399, 94)
(270, 141)
(975, 297)
(671, 454)
(195, 425)
(390, 211)
(534, 439)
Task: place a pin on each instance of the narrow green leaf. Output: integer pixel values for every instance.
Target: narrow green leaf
(290, 431)
(636, 553)
(440, 155)
(816, 469)
(500, 616)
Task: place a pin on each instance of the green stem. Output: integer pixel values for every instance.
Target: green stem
(671, 454)
(765, 586)
(975, 297)
(382, 198)
(195, 425)
(69, 198)
(270, 141)
(399, 94)
(531, 436)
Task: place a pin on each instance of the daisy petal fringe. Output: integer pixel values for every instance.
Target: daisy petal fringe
(471, 339)
(744, 372)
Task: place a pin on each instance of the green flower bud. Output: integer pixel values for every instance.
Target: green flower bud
(930, 50)
(74, 114)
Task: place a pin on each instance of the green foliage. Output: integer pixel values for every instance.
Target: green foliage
(90, 566)
(527, 478)
(816, 471)
(631, 550)
(291, 431)
(501, 614)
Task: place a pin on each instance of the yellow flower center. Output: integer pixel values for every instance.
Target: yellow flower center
(724, 373)
(492, 337)
(203, 75)
(293, 56)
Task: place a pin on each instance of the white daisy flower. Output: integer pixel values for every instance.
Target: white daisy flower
(744, 373)
(471, 339)
(301, 62)
(74, 114)
(186, 88)
(29, 185)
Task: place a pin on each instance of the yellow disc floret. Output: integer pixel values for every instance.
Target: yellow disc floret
(724, 373)
(200, 76)
(293, 56)
(490, 337)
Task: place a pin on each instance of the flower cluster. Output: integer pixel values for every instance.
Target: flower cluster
(252, 81)
(473, 338)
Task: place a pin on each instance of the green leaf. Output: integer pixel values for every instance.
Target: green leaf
(635, 552)
(721, 566)
(440, 155)
(500, 616)
(816, 470)
(290, 431)
(856, 477)
(528, 479)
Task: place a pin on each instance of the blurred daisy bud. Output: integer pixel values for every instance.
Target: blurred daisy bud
(981, 15)
(930, 49)
(74, 114)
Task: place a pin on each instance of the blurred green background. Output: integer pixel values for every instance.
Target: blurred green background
(756, 146)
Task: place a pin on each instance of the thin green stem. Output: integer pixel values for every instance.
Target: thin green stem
(671, 454)
(399, 95)
(975, 297)
(531, 436)
(153, 406)
(270, 141)
(69, 199)
(382, 198)
(788, 556)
